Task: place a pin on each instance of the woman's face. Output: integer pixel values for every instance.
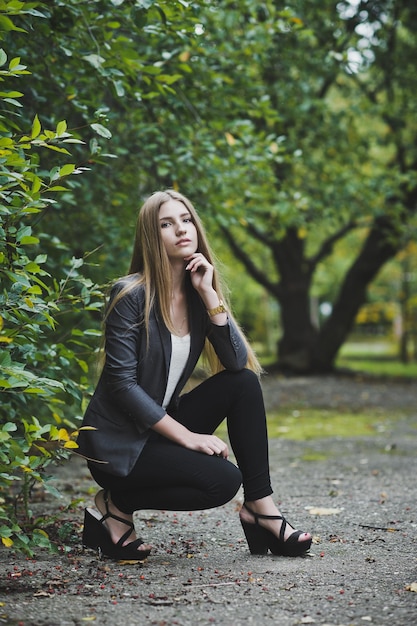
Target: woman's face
(178, 232)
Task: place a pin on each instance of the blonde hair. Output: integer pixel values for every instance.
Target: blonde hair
(151, 267)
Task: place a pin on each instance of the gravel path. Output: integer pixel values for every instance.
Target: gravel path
(357, 497)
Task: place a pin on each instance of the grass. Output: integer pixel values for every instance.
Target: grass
(308, 424)
(305, 424)
(378, 357)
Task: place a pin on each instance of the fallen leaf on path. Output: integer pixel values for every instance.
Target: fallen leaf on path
(412, 587)
(43, 594)
(322, 511)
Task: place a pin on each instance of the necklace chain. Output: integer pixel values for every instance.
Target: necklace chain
(177, 328)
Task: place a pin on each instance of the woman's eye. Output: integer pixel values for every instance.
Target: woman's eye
(165, 224)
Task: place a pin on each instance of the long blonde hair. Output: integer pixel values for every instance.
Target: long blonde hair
(151, 267)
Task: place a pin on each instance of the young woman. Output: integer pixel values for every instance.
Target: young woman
(149, 447)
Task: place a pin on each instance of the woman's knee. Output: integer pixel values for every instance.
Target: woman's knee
(242, 377)
(243, 382)
(228, 481)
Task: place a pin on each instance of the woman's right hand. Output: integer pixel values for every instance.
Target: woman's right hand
(207, 444)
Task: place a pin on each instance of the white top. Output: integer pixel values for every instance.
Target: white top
(179, 356)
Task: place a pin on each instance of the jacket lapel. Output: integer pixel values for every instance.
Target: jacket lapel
(165, 338)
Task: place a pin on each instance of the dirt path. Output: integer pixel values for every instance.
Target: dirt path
(357, 496)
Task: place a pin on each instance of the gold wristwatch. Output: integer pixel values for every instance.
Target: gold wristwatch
(218, 309)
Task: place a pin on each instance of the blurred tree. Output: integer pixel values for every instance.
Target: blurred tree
(305, 120)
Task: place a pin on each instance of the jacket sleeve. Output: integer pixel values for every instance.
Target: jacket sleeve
(229, 346)
(123, 336)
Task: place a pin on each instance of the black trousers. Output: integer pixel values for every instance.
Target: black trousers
(168, 476)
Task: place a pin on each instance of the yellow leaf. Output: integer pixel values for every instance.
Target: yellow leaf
(6, 541)
(273, 147)
(63, 434)
(302, 232)
(184, 56)
(230, 139)
(412, 587)
(323, 511)
(70, 444)
(4, 339)
(29, 470)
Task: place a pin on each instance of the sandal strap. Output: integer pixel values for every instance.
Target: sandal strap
(258, 516)
(293, 538)
(116, 517)
(132, 545)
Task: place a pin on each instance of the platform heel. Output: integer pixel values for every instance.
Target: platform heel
(97, 537)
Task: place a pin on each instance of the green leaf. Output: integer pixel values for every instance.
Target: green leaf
(3, 57)
(101, 130)
(55, 148)
(95, 60)
(35, 289)
(11, 94)
(36, 128)
(9, 426)
(28, 240)
(36, 185)
(32, 267)
(14, 102)
(7, 24)
(61, 128)
(168, 79)
(66, 170)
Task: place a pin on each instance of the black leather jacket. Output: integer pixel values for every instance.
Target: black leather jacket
(128, 398)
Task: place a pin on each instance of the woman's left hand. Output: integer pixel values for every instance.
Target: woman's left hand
(201, 272)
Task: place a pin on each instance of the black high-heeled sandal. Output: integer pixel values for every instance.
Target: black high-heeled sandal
(260, 540)
(97, 537)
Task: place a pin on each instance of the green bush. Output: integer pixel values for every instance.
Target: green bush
(42, 379)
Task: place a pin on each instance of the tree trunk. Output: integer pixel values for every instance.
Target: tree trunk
(298, 333)
(380, 246)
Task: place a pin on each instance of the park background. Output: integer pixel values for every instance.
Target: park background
(292, 128)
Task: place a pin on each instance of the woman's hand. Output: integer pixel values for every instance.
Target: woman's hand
(207, 444)
(201, 272)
